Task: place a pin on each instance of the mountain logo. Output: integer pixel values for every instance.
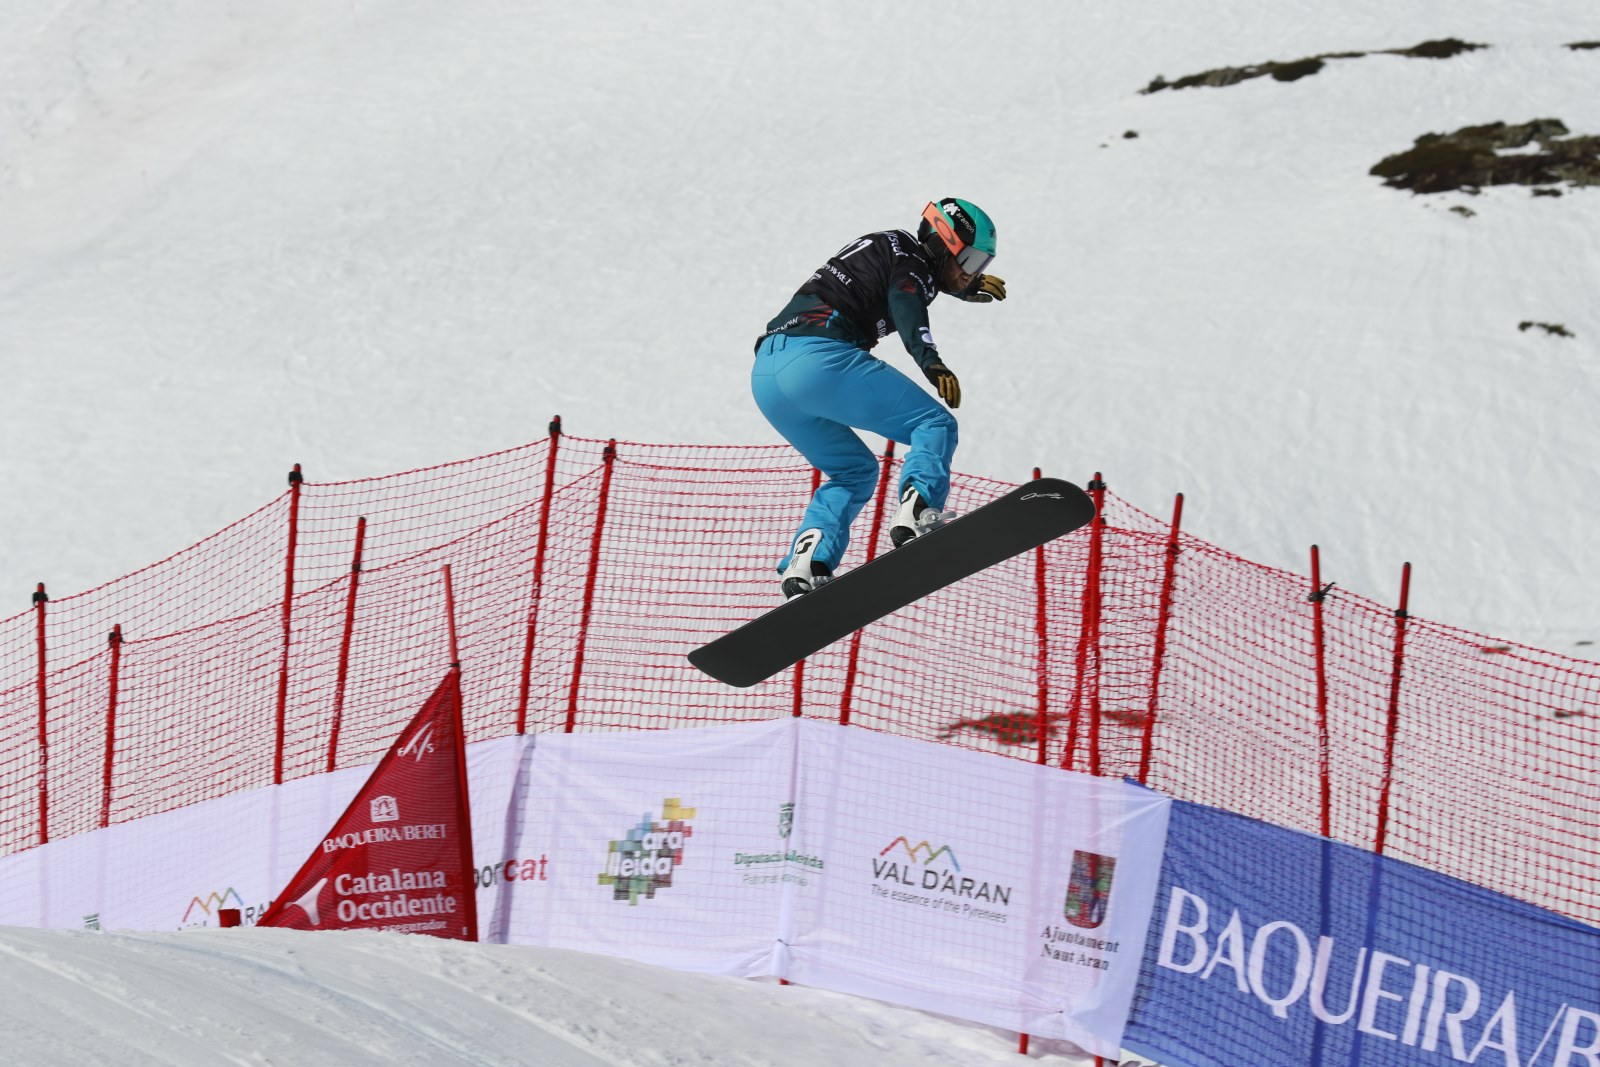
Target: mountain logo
(937, 871)
(924, 849)
(210, 904)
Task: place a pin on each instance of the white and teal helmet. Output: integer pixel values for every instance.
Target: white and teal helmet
(959, 230)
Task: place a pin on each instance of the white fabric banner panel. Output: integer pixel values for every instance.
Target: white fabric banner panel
(512, 861)
(180, 868)
(957, 882)
(647, 834)
(176, 869)
(982, 888)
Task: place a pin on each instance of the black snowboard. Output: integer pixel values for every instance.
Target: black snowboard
(1024, 518)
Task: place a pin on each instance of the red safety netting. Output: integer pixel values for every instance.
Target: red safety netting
(583, 573)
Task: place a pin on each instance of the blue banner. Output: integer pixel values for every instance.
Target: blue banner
(1273, 948)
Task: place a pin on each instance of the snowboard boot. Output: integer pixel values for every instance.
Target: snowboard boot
(915, 518)
(805, 574)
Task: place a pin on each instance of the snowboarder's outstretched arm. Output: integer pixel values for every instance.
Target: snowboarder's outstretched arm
(909, 309)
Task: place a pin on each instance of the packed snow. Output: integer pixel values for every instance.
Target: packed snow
(247, 996)
(369, 236)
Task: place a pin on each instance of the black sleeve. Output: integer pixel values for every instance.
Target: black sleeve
(910, 293)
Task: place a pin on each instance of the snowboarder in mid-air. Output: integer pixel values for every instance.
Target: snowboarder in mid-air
(816, 380)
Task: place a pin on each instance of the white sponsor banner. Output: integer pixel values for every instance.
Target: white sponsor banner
(968, 884)
(176, 869)
(180, 868)
(645, 832)
(974, 886)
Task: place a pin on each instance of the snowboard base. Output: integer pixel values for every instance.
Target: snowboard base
(1027, 517)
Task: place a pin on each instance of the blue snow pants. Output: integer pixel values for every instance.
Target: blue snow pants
(814, 390)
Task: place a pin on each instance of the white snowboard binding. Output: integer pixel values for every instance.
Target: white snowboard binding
(915, 518)
(804, 574)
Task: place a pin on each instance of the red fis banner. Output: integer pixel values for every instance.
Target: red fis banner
(400, 857)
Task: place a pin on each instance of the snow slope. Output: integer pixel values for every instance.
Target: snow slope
(369, 236)
(207, 997)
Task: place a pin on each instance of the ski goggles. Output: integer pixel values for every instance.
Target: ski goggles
(971, 260)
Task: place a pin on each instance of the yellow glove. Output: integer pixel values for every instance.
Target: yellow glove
(944, 380)
(989, 287)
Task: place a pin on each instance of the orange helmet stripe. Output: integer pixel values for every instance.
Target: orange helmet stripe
(941, 226)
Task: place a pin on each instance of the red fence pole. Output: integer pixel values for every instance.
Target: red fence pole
(1041, 628)
(1092, 607)
(450, 619)
(526, 682)
(872, 553)
(40, 598)
(1088, 637)
(1163, 620)
(1098, 491)
(589, 584)
(800, 667)
(112, 682)
(295, 478)
(344, 645)
(1392, 731)
(1319, 593)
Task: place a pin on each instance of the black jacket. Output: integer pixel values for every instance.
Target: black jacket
(876, 284)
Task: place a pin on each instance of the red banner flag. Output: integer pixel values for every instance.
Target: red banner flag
(400, 857)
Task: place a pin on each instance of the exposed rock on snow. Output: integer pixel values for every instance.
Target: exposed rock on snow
(1538, 153)
(1295, 69)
